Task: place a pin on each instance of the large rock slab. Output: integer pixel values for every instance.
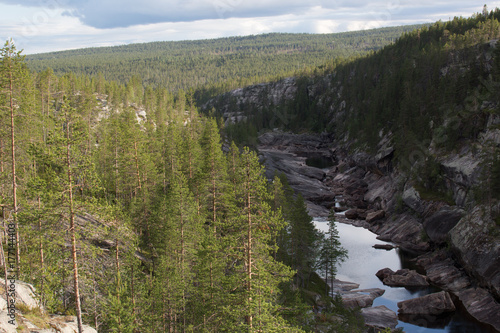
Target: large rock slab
(411, 198)
(402, 278)
(361, 298)
(463, 173)
(406, 231)
(442, 272)
(440, 223)
(481, 305)
(432, 304)
(477, 247)
(380, 193)
(355, 213)
(374, 216)
(379, 317)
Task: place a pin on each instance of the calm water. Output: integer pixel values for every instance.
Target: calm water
(364, 261)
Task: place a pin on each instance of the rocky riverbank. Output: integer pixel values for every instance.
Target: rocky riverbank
(458, 247)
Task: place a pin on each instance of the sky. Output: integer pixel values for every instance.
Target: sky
(38, 26)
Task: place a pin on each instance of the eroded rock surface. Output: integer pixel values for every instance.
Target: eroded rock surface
(432, 304)
(401, 278)
(477, 248)
(370, 193)
(379, 317)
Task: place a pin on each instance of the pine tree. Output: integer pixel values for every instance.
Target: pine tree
(331, 252)
(12, 74)
(260, 273)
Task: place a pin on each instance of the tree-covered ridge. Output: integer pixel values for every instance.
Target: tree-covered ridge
(219, 64)
(408, 88)
(132, 217)
(432, 92)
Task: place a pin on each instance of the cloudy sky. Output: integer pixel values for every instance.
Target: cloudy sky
(52, 25)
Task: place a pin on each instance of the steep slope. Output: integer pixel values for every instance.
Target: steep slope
(414, 132)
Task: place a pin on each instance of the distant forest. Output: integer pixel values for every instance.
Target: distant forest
(218, 65)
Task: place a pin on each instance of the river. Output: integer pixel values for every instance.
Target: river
(364, 261)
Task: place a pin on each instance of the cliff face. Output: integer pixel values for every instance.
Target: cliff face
(428, 197)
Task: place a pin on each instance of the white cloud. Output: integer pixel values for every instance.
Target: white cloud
(63, 24)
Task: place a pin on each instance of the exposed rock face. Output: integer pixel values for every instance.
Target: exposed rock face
(361, 298)
(432, 304)
(255, 96)
(478, 302)
(401, 278)
(356, 213)
(374, 216)
(463, 172)
(287, 153)
(381, 192)
(442, 272)
(411, 198)
(379, 317)
(477, 249)
(481, 305)
(405, 230)
(376, 196)
(439, 224)
(25, 294)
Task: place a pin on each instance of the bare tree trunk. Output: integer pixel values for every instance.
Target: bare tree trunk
(249, 249)
(116, 169)
(1, 165)
(14, 176)
(73, 232)
(42, 257)
(118, 283)
(137, 166)
(96, 324)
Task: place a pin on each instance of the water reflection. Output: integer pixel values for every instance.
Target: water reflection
(364, 261)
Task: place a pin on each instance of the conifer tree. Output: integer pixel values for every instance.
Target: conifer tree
(260, 273)
(332, 252)
(11, 73)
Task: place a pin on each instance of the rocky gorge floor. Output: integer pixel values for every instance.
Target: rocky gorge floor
(451, 243)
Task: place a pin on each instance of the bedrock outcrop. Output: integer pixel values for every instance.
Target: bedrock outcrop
(368, 191)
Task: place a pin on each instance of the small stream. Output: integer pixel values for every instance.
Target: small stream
(364, 261)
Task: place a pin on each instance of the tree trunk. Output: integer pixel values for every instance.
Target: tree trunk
(73, 232)
(14, 176)
(136, 157)
(42, 257)
(249, 249)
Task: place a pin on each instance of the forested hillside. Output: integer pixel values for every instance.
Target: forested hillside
(216, 65)
(124, 209)
(415, 135)
(130, 209)
(411, 88)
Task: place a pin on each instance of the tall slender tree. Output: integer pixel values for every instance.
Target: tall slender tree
(12, 74)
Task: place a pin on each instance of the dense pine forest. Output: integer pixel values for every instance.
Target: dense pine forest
(136, 212)
(133, 213)
(210, 67)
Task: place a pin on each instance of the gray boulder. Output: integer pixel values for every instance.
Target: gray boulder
(432, 304)
(374, 216)
(379, 317)
(411, 198)
(481, 305)
(401, 278)
(440, 223)
(361, 298)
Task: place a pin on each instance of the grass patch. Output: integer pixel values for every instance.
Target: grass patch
(34, 315)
